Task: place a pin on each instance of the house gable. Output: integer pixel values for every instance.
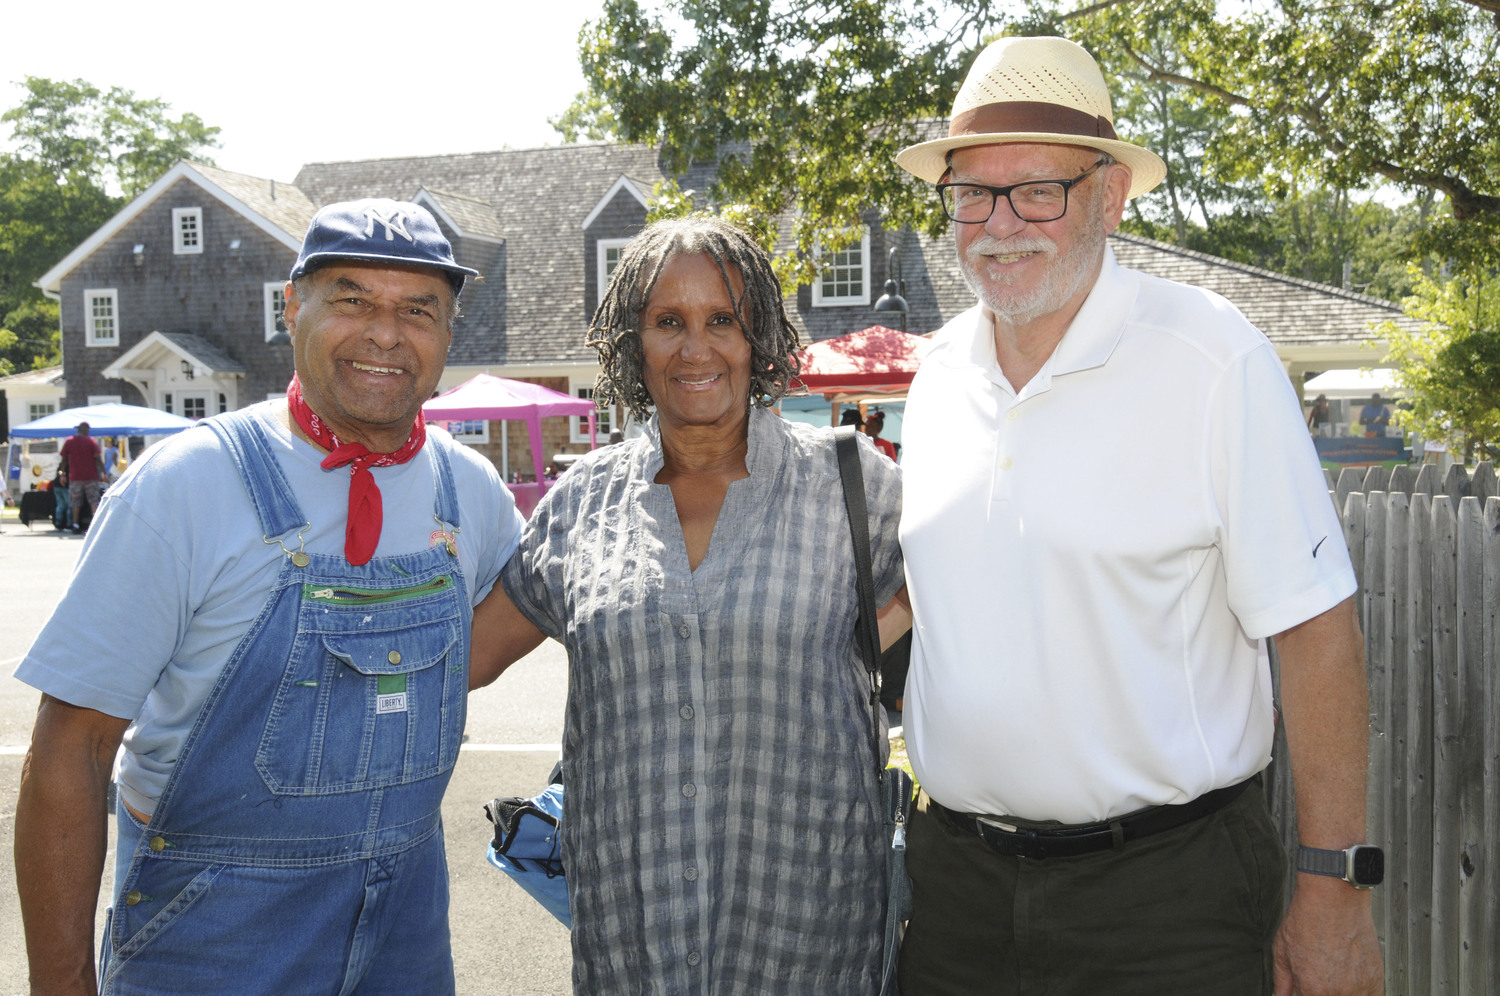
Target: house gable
(236, 195)
(618, 216)
(218, 294)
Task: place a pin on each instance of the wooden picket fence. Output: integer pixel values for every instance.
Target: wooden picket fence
(1427, 554)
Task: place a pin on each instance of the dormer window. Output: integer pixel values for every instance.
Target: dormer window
(275, 308)
(844, 276)
(610, 251)
(187, 230)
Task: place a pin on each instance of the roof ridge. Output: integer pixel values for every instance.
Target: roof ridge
(1259, 271)
(455, 194)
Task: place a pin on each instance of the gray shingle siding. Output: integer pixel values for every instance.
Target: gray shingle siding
(216, 294)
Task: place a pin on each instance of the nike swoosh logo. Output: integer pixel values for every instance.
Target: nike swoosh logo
(1320, 543)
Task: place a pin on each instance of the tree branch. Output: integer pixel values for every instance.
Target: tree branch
(1156, 74)
(1094, 8)
(1493, 6)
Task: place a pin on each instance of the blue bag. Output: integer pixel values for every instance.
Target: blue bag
(528, 845)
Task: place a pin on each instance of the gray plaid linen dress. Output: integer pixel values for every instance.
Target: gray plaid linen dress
(722, 831)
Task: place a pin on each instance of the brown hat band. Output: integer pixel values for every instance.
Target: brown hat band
(1030, 116)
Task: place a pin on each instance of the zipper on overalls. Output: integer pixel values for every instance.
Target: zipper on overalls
(344, 595)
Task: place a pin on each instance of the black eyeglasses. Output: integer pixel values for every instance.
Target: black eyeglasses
(1035, 200)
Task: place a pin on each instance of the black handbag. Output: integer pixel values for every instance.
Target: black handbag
(895, 784)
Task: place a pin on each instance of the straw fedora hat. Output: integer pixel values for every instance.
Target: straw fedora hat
(1034, 90)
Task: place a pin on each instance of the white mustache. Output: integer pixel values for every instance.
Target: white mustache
(988, 245)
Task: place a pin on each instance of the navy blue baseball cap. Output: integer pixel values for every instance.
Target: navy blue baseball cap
(378, 230)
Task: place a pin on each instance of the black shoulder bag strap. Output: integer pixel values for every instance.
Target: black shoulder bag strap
(895, 783)
(866, 630)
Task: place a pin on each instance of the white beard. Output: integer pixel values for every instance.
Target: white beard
(1064, 277)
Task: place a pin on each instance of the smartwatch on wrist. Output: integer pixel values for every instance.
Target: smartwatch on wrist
(1362, 866)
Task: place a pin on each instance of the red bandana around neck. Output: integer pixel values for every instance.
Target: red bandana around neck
(362, 533)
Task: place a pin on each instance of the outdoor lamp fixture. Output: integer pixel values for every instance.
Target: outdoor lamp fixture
(891, 301)
(187, 370)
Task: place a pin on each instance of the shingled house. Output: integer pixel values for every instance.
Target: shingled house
(175, 303)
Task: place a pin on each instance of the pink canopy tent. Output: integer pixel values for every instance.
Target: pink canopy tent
(871, 361)
(488, 397)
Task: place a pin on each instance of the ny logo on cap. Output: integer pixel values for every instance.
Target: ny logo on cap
(395, 224)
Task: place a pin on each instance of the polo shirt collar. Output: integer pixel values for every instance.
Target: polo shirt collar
(1097, 328)
(1090, 340)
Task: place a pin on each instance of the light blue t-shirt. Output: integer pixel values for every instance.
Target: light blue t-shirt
(175, 570)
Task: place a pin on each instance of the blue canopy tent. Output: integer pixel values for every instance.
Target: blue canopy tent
(108, 419)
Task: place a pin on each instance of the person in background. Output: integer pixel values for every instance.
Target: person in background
(1089, 707)
(874, 425)
(86, 475)
(1375, 416)
(110, 458)
(62, 513)
(293, 583)
(702, 579)
(1320, 416)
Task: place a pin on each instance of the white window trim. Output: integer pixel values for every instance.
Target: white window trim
(104, 399)
(179, 248)
(89, 296)
(819, 300)
(468, 438)
(578, 425)
(601, 247)
(269, 292)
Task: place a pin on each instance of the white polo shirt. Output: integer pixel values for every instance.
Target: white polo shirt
(1093, 561)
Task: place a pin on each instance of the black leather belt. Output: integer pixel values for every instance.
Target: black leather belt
(1063, 842)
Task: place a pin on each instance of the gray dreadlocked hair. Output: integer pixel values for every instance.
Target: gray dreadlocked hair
(615, 329)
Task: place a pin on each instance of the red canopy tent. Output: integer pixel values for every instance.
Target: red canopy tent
(488, 397)
(876, 360)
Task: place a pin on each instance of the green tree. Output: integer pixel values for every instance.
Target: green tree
(1335, 95)
(80, 152)
(1250, 102)
(1450, 368)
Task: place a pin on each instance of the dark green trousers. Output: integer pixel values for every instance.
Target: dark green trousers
(1188, 911)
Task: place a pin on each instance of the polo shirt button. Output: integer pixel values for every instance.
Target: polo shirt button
(689, 790)
(1005, 463)
(684, 631)
(694, 958)
(1013, 414)
(686, 712)
(690, 873)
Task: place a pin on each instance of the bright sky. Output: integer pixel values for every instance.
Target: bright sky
(313, 81)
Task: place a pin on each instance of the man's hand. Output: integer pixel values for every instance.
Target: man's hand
(1326, 945)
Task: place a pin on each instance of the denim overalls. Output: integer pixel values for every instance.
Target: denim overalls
(298, 845)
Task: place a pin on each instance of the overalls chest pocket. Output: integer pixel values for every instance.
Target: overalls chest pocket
(374, 692)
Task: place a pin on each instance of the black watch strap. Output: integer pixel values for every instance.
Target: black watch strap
(1321, 862)
(1362, 866)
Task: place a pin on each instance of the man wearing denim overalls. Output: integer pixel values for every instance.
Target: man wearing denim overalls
(288, 590)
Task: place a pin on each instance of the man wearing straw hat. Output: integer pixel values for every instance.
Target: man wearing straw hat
(1089, 708)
